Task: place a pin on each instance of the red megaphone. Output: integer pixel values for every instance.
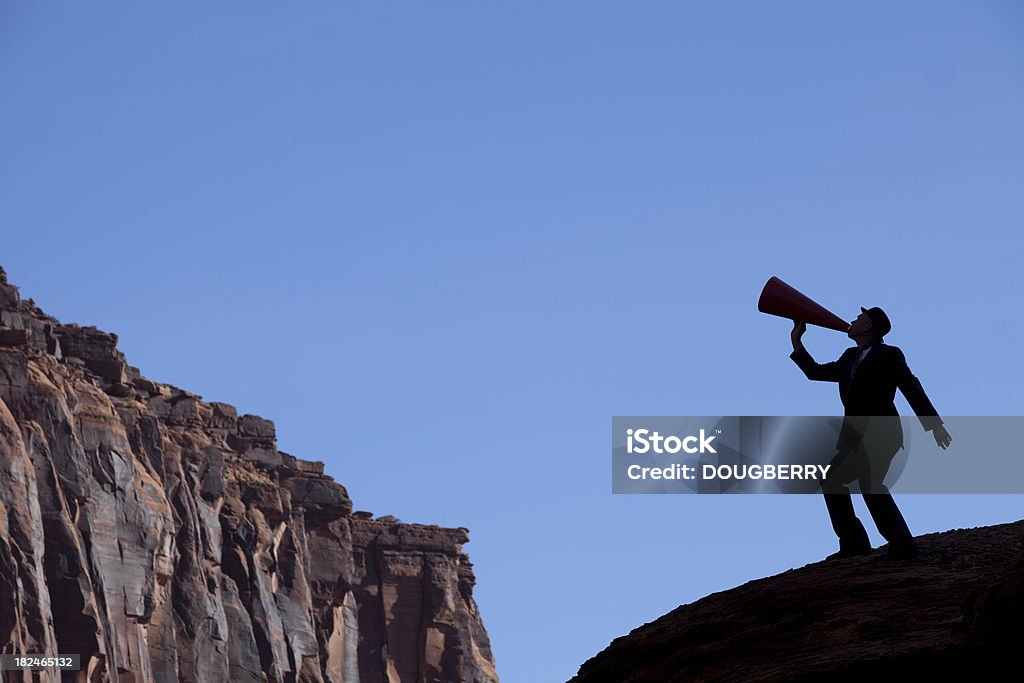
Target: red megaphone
(778, 298)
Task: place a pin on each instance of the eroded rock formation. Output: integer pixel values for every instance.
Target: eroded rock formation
(165, 538)
(955, 614)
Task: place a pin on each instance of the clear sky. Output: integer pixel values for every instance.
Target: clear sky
(440, 244)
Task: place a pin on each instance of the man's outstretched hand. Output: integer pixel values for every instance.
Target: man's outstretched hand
(942, 437)
(798, 331)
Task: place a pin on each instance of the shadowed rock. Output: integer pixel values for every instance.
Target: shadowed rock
(958, 611)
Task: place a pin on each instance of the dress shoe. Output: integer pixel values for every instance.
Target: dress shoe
(849, 552)
(900, 551)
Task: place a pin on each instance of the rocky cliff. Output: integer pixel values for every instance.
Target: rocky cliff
(166, 538)
(955, 614)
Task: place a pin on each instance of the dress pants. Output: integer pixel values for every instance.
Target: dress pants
(866, 463)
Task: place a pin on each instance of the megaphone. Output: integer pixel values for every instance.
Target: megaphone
(778, 298)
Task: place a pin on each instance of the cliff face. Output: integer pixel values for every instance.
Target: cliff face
(166, 538)
(957, 613)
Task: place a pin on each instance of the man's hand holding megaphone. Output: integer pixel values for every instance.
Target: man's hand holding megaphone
(799, 327)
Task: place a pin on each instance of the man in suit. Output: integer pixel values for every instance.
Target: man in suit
(871, 435)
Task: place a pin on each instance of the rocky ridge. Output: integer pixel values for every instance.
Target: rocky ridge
(166, 538)
(957, 613)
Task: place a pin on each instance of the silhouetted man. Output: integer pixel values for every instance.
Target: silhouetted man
(871, 435)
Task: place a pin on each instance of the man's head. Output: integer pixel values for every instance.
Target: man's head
(871, 325)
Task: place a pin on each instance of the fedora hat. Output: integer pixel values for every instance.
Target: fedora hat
(879, 320)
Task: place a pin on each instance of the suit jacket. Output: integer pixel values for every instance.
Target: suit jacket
(871, 391)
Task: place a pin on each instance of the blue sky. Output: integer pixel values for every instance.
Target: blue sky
(441, 244)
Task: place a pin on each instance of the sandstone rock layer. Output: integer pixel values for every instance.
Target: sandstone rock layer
(165, 538)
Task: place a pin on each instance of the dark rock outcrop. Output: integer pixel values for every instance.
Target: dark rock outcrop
(165, 538)
(957, 612)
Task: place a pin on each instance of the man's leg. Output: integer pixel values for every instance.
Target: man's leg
(883, 509)
(853, 539)
(888, 519)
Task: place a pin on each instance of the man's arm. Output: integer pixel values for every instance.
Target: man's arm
(827, 372)
(911, 388)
